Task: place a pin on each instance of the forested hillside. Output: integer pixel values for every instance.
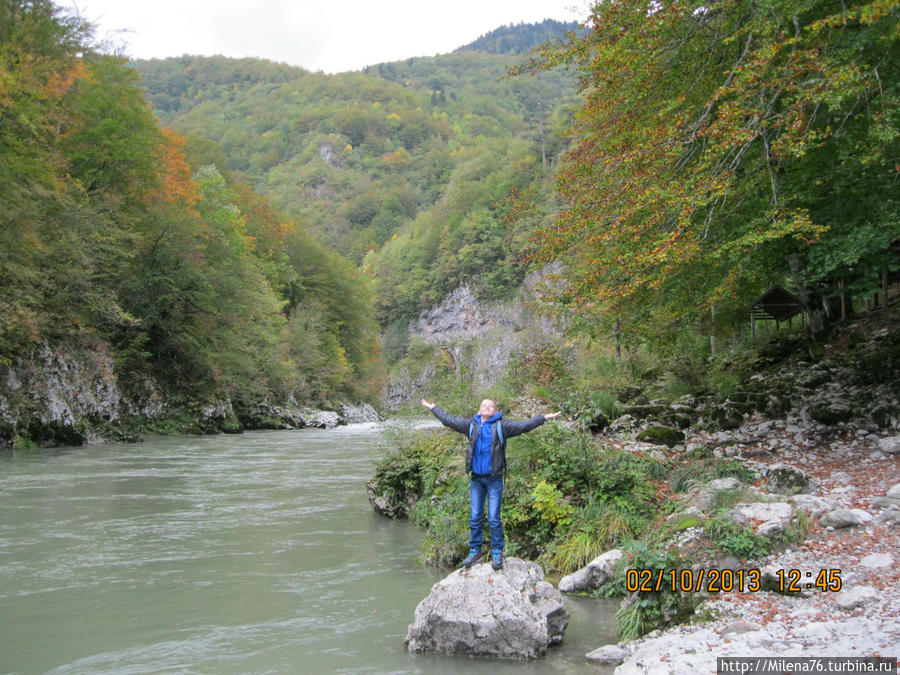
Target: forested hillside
(207, 221)
(520, 38)
(406, 169)
(112, 240)
(721, 150)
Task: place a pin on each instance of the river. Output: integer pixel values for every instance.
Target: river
(253, 553)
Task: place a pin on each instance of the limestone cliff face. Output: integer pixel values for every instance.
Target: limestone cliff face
(73, 395)
(471, 334)
(69, 396)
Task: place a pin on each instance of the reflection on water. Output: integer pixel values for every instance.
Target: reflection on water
(255, 553)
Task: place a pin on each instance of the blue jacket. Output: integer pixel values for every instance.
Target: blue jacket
(481, 456)
(498, 443)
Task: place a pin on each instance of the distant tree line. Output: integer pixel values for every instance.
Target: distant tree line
(520, 38)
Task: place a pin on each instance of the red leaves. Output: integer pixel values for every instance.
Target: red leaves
(177, 185)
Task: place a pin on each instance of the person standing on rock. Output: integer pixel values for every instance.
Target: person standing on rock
(485, 464)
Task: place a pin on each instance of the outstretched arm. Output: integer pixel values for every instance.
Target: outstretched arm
(512, 428)
(459, 424)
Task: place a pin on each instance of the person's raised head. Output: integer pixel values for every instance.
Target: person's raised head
(487, 409)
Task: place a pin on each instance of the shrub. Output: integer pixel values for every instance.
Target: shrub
(543, 369)
(415, 465)
(739, 540)
(587, 407)
(642, 612)
(597, 527)
(443, 513)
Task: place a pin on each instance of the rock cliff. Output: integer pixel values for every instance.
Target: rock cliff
(74, 395)
(470, 334)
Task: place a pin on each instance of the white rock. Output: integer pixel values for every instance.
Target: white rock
(609, 654)
(813, 506)
(597, 572)
(889, 515)
(884, 502)
(784, 478)
(875, 560)
(839, 518)
(765, 511)
(841, 477)
(856, 596)
(890, 446)
(770, 528)
(739, 626)
(729, 483)
(817, 630)
(864, 516)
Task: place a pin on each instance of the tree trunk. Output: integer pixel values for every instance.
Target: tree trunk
(543, 145)
(618, 342)
(843, 300)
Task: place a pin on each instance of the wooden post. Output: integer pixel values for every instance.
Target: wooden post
(884, 286)
(843, 299)
(752, 325)
(618, 341)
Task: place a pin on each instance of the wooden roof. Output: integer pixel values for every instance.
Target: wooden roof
(777, 304)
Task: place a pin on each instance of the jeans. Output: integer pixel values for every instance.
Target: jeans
(481, 487)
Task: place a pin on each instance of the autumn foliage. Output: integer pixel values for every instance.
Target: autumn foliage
(724, 147)
(108, 233)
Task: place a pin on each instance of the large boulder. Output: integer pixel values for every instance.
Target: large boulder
(322, 419)
(596, 573)
(510, 613)
(785, 479)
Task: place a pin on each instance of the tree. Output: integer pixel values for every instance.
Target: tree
(711, 142)
(111, 140)
(40, 217)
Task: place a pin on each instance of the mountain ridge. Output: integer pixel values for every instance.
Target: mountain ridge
(519, 38)
(383, 164)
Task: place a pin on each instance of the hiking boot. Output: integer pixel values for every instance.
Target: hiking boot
(473, 557)
(496, 559)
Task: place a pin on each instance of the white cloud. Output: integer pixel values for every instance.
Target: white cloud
(328, 35)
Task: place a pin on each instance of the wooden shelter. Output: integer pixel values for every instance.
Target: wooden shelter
(776, 304)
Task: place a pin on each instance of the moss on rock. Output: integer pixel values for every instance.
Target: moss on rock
(660, 435)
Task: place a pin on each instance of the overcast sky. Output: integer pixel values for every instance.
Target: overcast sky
(328, 35)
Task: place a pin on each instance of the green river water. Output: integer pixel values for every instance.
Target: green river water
(254, 553)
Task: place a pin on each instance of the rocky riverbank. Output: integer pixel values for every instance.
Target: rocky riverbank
(833, 454)
(787, 461)
(72, 397)
(855, 471)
